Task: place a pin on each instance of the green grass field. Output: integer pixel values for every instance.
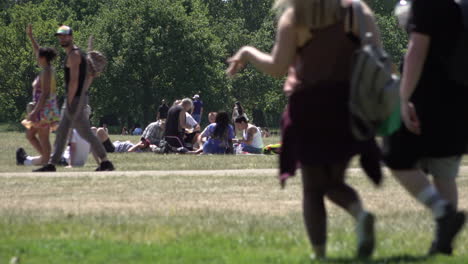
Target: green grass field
(143, 213)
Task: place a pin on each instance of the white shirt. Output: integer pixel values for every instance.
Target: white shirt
(81, 150)
(190, 121)
(257, 141)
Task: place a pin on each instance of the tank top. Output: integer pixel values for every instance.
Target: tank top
(257, 141)
(331, 66)
(81, 74)
(37, 88)
(316, 121)
(172, 122)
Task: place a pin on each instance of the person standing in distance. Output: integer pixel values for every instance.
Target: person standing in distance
(77, 78)
(162, 110)
(197, 108)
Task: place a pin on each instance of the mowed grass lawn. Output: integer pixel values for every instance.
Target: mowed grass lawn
(160, 217)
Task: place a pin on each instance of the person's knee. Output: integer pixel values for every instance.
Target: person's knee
(44, 134)
(30, 135)
(444, 169)
(102, 134)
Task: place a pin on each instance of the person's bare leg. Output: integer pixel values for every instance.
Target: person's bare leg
(347, 198)
(31, 136)
(102, 134)
(419, 186)
(448, 190)
(448, 221)
(314, 211)
(45, 144)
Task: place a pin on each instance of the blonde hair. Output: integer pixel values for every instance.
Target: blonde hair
(314, 14)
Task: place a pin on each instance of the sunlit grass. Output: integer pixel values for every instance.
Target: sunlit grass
(233, 217)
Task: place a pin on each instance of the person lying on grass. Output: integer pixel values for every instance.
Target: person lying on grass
(122, 146)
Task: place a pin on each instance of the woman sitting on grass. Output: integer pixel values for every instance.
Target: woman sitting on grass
(44, 115)
(219, 135)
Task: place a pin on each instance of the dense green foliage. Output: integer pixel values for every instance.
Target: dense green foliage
(156, 49)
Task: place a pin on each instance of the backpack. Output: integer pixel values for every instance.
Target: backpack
(96, 62)
(374, 94)
(457, 61)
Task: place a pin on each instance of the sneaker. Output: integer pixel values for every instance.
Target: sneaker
(366, 235)
(45, 168)
(447, 228)
(105, 166)
(20, 156)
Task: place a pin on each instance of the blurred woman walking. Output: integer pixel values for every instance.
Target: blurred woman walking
(316, 40)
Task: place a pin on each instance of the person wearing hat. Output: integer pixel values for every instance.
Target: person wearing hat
(197, 108)
(77, 79)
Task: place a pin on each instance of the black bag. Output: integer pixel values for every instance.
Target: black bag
(374, 88)
(457, 60)
(163, 147)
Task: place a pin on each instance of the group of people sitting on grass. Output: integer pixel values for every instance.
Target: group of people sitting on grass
(176, 131)
(183, 133)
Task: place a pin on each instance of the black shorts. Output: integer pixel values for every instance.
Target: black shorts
(190, 136)
(402, 150)
(110, 148)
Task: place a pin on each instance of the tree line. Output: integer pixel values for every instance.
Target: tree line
(156, 49)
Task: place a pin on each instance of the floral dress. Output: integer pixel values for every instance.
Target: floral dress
(49, 115)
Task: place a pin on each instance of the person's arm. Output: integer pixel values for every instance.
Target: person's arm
(35, 46)
(135, 147)
(45, 85)
(206, 132)
(190, 121)
(275, 64)
(370, 21)
(182, 122)
(415, 59)
(73, 62)
(146, 132)
(202, 135)
(250, 135)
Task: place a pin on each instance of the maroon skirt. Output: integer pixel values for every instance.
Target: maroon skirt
(316, 130)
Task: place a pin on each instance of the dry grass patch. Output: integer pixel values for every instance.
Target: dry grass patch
(249, 192)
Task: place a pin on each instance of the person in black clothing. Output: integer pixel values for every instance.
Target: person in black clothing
(176, 123)
(434, 134)
(162, 110)
(78, 77)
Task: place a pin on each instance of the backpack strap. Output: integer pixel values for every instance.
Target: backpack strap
(364, 33)
(463, 4)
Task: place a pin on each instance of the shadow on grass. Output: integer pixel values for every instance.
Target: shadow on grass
(394, 259)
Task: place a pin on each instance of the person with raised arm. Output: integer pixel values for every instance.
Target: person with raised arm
(44, 115)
